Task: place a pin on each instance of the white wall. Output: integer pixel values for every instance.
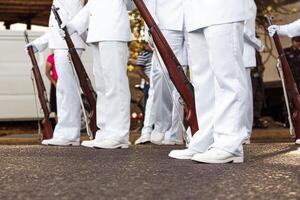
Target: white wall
(17, 99)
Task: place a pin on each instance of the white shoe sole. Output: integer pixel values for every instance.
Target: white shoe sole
(87, 145)
(297, 141)
(169, 143)
(66, 144)
(172, 143)
(180, 157)
(228, 160)
(247, 142)
(142, 141)
(156, 142)
(119, 146)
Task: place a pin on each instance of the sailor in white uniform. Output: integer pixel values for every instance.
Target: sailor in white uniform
(168, 111)
(67, 130)
(215, 53)
(108, 26)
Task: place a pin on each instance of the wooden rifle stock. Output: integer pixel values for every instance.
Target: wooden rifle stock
(46, 125)
(290, 83)
(82, 75)
(175, 70)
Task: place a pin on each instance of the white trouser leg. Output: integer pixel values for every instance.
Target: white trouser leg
(175, 133)
(113, 95)
(249, 115)
(163, 86)
(203, 81)
(68, 102)
(161, 99)
(231, 91)
(176, 130)
(149, 110)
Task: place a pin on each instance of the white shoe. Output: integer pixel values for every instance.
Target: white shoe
(88, 143)
(60, 142)
(247, 141)
(297, 141)
(172, 142)
(143, 139)
(215, 155)
(111, 144)
(184, 154)
(157, 138)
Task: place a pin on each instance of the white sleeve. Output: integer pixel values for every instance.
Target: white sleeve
(252, 40)
(290, 30)
(81, 21)
(41, 43)
(250, 31)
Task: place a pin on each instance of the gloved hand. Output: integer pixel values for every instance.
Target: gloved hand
(71, 29)
(34, 48)
(62, 33)
(273, 29)
(262, 48)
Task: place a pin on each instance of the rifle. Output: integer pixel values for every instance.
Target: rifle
(84, 81)
(174, 68)
(47, 130)
(291, 87)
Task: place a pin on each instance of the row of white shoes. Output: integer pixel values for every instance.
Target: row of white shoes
(157, 138)
(212, 155)
(104, 144)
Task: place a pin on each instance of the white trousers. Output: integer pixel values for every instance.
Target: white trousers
(249, 116)
(112, 87)
(165, 95)
(149, 109)
(67, 96)
(221, 90)
(175, 132)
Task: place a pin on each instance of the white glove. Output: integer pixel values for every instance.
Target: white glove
(34, 48)
(273, 29)
(62, 33)
(71, 29)
(262, 48)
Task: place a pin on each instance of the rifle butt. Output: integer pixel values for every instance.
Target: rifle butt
(93, 125)
(192, 119)
(296, 119)
(47, 129)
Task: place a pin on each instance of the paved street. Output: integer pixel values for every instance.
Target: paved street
(271, 171)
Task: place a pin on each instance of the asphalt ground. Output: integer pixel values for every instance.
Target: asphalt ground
(270, 171)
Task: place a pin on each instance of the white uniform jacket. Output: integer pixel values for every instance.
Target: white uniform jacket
(252, 43)
(67, 10)
(292, 29)
(204, 13)
(106, 20)
(168, 14)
